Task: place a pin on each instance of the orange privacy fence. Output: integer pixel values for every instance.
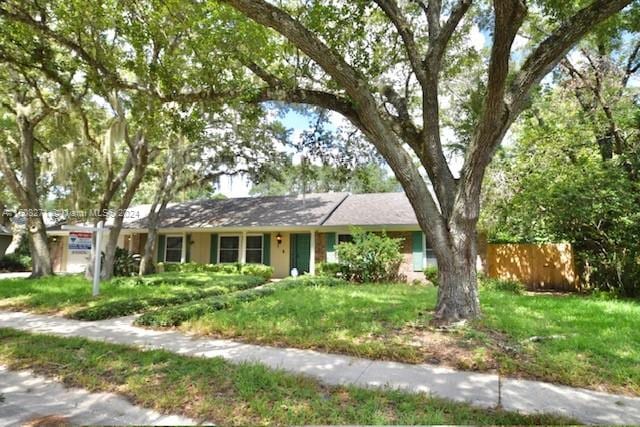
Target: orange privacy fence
(540, 267)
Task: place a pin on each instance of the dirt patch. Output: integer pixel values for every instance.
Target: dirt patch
(48, 421)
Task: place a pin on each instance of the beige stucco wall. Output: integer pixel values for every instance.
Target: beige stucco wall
(280, 255)
(200, 248)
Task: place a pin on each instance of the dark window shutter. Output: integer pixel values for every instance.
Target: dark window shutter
(161, 248)
(187, 256)
(416, 238)
(266, 249)
(213, 254)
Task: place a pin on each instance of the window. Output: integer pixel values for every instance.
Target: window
(429, 259)
(173, 249)
(345, 238)
(253, 252)
(229, 249)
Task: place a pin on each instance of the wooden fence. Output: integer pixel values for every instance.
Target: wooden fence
(539, 267)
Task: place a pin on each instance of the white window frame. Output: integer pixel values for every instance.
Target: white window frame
(261, 246)
(240, 246)
(425, 259)
(166, 242)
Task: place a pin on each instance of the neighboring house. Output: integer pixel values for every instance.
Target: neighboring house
(5, 239)
(282, 231)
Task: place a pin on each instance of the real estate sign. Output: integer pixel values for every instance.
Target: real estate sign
(79, 242)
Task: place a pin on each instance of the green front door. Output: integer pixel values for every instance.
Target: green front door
(300, 251)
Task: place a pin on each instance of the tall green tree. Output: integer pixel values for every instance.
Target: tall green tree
(381, 64)
(553, 185)
(26, 103)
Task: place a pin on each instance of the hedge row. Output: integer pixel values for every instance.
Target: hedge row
(261, 270)
(118, 308)
(235, 281)
(174, 316)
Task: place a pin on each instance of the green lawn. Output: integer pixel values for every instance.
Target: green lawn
(597, 343)
(71, 295)
(227, 394)
(353, 319)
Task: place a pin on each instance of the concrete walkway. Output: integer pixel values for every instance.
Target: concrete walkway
(484, 390)
(27, 398)
(19, 275)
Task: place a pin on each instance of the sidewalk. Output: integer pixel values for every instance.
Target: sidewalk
(484, 390)
(28, 398)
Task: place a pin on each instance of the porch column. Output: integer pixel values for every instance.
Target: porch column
(243, 245)
(312, 253)
(183, 256)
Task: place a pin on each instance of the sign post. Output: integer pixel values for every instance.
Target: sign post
(79, 241)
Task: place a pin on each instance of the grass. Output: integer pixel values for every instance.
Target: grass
(347, 318)
(71, 295)
(176, 315)
(217, 391)
(594, 343)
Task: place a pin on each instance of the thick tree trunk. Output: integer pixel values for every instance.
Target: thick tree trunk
(39, 248)
(110, 249)
(147, 265)
(141, 155)
(458, 288)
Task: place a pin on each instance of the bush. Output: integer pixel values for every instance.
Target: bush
(328, 269)
(502, 285)
(431, 273)
(190, 279)
(125, 264)
(14, 262)
(200, 289)
(261, 270)
(370, 258)
(121, 308)
(616, 272)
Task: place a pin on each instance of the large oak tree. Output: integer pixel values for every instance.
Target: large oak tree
(334, 41)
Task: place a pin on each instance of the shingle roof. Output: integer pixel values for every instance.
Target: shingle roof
(373, 209)
(311, 210)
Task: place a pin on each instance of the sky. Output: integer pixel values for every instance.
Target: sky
(237, 186)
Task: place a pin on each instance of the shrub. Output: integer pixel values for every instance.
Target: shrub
(431, 273)
(260, 270)
(194, 279)
(502, 285)
(328, 269)
(124, 263)
(15, 262)
(200, 289)
(370, 258)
